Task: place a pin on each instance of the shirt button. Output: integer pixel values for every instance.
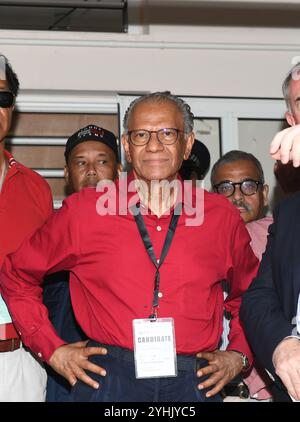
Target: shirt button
(158, 228)
(160, 294)
(157, 261)
(40, 355)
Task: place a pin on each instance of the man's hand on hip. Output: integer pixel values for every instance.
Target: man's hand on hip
(286, 360)
(222, 367)
(71, 361)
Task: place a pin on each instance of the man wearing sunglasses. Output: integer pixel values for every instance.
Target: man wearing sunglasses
(239, 177)
(25, 204)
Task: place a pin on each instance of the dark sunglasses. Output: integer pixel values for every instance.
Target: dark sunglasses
(7, 99)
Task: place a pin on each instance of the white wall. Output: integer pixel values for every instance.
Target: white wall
(190, 60)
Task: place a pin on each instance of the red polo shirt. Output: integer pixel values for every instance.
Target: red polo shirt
(112, 277)
(25, 204)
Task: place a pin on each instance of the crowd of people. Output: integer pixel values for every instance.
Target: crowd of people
(143, 286)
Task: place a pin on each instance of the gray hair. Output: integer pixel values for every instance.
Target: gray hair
(293, 74)
(231, 157)
(183, 107)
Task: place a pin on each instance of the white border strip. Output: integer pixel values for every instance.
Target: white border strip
(50, 173)
(169, 45)
(66, 102)
(36, 141)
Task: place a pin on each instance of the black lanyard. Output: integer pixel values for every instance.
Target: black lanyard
(149, 248)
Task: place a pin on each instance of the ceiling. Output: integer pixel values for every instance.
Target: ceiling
(64, 15)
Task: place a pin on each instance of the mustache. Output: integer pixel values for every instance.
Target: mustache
(92, 182)
(241, 204)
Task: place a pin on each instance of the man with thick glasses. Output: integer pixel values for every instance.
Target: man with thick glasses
(239, 177)
(25, 204)
(144, 284)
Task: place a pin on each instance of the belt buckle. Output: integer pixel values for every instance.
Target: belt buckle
(243, 391)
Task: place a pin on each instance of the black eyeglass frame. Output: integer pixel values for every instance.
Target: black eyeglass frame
(154, 131)
(240, 184)
(7, 99)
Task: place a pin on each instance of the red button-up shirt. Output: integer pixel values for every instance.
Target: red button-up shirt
(112, 277)
(25, 204)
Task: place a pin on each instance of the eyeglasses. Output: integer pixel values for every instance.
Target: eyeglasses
(227, 188)
(166, 136)
(7, 99)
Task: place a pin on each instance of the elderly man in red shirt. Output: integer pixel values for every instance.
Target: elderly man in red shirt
(144, 281)
(25, 204)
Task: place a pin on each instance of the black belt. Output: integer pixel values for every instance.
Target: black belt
(184, 362)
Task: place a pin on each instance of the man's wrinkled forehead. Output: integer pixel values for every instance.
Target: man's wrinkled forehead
(2, 69)
(240, 169)
(149, 106)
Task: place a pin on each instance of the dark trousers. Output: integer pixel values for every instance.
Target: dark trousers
(120, 384)
(56, 297)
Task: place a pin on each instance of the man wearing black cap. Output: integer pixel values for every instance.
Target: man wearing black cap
(91, 155)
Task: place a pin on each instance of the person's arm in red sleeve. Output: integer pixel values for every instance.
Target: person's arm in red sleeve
(44, 198)
(242, 266)
(52, 248)
(48, 202)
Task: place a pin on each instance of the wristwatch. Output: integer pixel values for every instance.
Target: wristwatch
(245, 360)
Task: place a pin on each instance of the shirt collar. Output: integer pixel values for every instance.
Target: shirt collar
(10, 159)
(134, 199)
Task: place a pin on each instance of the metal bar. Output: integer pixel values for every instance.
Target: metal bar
(125, 18)
(50, 173)
(60, 4)
(36, 141)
